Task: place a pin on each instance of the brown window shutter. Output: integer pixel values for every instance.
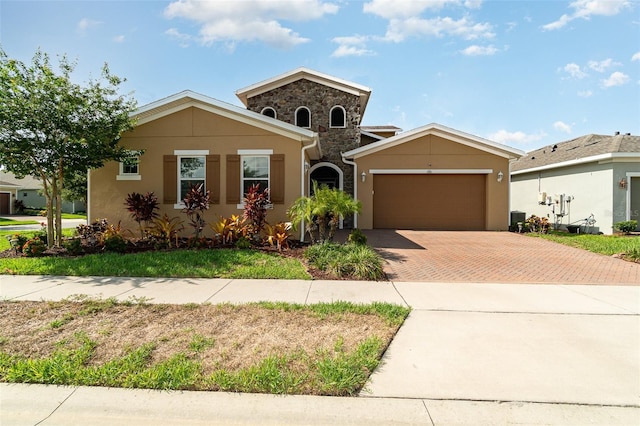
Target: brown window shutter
(233, 179)
(276, 191)
(213, 178)
(170, 179)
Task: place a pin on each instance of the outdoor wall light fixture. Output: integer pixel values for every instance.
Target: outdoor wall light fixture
(623, 183)
(363, 175)
(306, 166)
(500, 176)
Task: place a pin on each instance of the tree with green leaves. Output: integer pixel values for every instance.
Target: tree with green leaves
(322, 211)
(51, 128)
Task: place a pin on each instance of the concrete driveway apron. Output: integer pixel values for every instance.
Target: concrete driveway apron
(471, 338)
(493, 257)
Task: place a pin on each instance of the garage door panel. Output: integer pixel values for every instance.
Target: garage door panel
(434, 202)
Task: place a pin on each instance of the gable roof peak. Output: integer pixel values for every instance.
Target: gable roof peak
(300, 73)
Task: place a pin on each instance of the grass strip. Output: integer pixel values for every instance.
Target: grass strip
(215, 263)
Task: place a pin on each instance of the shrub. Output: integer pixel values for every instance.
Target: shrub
(73, 246)
(142, 208)
(19, 206)
(115, 243)
(627, 227)
(195, 203)
(243, 243)
(255, 210)
(17, 241)
(34, 247)
(93, 233)
(346, 261)
(357, 237)
(229, 230)
(278, 235)
(166, 229)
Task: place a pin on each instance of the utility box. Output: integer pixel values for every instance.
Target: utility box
(516, 217)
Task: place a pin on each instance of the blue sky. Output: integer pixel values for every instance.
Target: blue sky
(523, 73)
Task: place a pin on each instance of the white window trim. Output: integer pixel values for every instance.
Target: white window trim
(128, 176)
(275, 113)
(296, 116)
(188, 153)
(344, 112)
(254, 153)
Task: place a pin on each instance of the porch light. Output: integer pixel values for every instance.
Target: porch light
(500, 176)
(623, 183)
(363, 175)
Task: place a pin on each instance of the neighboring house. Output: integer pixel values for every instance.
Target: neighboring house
(29, 191)
(300, 127)
(569, 181)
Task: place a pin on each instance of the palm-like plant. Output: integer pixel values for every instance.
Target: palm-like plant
(321, 212)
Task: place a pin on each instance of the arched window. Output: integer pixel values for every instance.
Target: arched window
(303, 117)
(337, 117)
(269, 112)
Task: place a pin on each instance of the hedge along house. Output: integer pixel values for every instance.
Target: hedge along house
(569, 181)
(433, 178)
(297, 128)
(191, 139)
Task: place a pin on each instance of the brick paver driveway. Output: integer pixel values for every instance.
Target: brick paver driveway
(497, 257)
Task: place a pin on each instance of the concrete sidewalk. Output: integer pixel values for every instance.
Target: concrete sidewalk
(467, 354)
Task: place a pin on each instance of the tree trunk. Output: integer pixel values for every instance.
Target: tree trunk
(49, 199)
(58, 193)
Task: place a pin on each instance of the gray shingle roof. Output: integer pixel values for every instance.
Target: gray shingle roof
(576, 149)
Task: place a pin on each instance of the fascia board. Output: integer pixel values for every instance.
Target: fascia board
(600, 159)
(438, 130)
(223, 109)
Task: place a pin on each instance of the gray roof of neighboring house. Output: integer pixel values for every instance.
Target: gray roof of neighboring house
(581, 148)
(28, 182)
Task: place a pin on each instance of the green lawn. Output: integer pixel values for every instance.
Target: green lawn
(602, 244)
(10, 222)
(208, 263)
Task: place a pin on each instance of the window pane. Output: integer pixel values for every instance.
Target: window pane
(192, 167)
(186, 185)
(247, 183)
(255, 167)
(303, 118)
(337, 117)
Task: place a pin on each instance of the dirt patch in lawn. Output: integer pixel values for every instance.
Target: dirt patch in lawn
(229, 337)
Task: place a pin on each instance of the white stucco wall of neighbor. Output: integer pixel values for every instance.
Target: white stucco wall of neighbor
(590, 186)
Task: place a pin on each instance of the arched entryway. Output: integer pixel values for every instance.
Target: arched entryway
(325, 174)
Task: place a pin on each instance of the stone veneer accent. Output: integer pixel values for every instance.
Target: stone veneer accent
(319, 99)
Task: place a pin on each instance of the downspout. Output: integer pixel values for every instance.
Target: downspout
(355, 185)
(302, 175)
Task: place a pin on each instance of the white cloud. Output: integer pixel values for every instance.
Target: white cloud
(563, 127)
(85, 23)
(403, 9)
(585, 93)
(476, 50)
(351, 46)
(586, 8)
(602, 66)
(574, 71)
(616, 79)
(405, 19)
(119, 39)
(635, 57)
(521, 138)
(398, 30)
(249, 20)
(182, 39)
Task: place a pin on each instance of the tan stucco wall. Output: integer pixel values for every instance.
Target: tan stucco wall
(189, 129)
(434, 152)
